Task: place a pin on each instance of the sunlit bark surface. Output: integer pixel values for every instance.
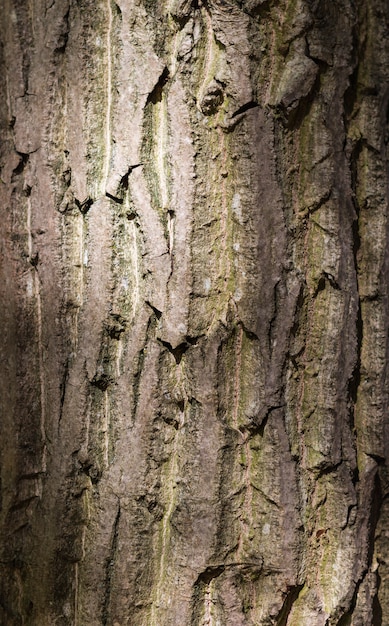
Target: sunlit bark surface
(194, 313)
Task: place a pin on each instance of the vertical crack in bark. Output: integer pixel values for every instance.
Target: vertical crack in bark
(83, 261)
(140, 362)
(109, 100)
(355, 379)
(161, 149)
(106, 427)
(246, 518)
(156, 150)
(290, 599)
(205, 602)
(136, 267)
(41, 366)
(162, 555)
(76, 593)
(109, 570)
(237, 374)
(64, 382)
(178, 351)
(377, 608)
(370, 506)
(224, 221)
(208, 64)
(375, 510)
(159, 138)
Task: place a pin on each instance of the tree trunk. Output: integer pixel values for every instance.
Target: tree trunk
(194, 313)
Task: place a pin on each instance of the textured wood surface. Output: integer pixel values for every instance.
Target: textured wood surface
(194, 313)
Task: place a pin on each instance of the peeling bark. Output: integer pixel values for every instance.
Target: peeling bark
(194, 304)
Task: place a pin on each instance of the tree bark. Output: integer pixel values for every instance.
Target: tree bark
(194, 313)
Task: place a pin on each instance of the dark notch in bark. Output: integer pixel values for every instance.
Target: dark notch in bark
(248, 333)
(291, 597)
(64, 36)
(356, 243)
(118, 10)
(182, 10)
(261, 8)
(27, 190)
(34, 259)
(137, 377)
(62, 390)
(245, 107)
(122, 186)
(22, 163)
(346, 619)
(150, 331)
(18, 505)
(84, 205)
(214, 571)
(114, 198)
(321, 202)
(258, 425)
(375, 503)
(156, 311)
(354, 150)
(324, 280)
(91, 468)
(124, 180)
(115, 326)
(109, 568)
(231, 122)
(156, 94)
(375, 508)
(204, 579)
(101, 381)
(179, 350)
(211, 572)
(377, 609)
(356, 374)
(172, 419)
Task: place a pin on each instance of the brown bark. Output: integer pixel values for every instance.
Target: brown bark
(194, 312)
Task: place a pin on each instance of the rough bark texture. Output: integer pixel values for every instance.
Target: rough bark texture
(194, 313)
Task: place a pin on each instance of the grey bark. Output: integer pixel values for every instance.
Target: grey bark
(194, 311)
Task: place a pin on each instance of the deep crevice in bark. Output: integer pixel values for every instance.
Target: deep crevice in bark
(24, 158)
(291, 597)
(245, 107)
(84, 205)
(178, 351)
(110, 564)
(377, 609)
(155, 95)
